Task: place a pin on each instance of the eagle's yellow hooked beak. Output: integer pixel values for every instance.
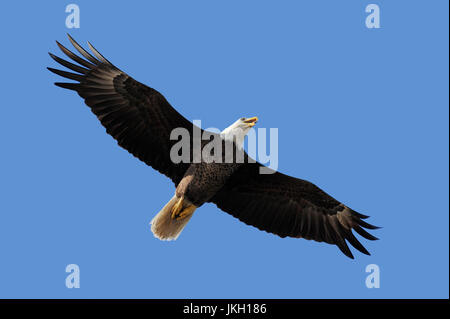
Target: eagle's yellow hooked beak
(251, 121)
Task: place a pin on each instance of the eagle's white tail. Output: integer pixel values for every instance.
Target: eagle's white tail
(164, 227)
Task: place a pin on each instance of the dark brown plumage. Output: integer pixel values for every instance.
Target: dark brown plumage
(141, 120)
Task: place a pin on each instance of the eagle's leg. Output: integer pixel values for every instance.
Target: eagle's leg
(177, 208)
(182, 209)
(187, 212)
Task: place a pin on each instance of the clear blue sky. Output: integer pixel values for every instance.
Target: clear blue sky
(361, 113)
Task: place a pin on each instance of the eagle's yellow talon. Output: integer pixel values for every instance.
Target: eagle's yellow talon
(186, 212)
(177, 208)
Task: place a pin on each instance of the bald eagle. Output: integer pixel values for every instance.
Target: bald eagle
(141, 120)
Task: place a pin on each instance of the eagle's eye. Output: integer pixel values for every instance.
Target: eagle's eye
(242, 118)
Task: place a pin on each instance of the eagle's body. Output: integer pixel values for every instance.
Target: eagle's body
(203, 180)
(141, 120)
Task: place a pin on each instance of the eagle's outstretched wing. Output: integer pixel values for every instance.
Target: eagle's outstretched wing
(137, 116)
(287, 206)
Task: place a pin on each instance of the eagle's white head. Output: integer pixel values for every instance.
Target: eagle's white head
(237, 131)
